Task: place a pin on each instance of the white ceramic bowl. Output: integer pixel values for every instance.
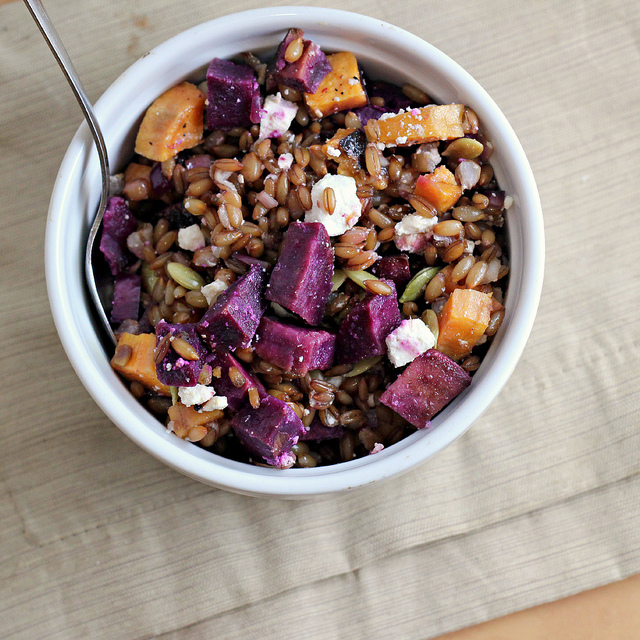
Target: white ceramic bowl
(386, 52)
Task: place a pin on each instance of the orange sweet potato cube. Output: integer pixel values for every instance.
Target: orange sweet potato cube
(439, 189)
(141, 365)
(184, 419)
(173, 122)
(462, 321)
(424, 124)
(340, 90)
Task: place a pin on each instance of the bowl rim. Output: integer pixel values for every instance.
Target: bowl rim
(406, 454)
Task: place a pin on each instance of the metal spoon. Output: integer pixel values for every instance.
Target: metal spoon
(41, 18)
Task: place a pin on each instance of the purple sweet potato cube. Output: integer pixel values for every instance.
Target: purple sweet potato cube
(425, 387)
(232, 320)
(126, 297)
(292, 34)
(394, 98)
(232, 92)
(362, 333)
(308, 71)
(316, 431)
(294, 349)
(369, 112)
(270, 431)
(236, 396)
(394, 268)
(301, 279)
(160, 184)
(174, 370)
(117, 224)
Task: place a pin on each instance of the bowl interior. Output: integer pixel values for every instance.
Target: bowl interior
(386, 53)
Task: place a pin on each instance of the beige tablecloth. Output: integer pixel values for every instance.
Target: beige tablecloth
(540, 499)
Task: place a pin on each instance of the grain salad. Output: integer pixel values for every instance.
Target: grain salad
(309, 263)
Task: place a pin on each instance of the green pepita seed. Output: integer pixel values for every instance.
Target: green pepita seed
(466, 148)
(418, 284)
(337, 280)
(359, 277)
(185, 276)
(430, 318)
(149, 277)
(362, 366)
(174, 395)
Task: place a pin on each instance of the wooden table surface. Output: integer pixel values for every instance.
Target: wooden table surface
(527, 527)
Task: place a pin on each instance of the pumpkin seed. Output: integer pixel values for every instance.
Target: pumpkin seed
(337, 280)
(359, 277)
(174, 395)
(149, 277)
(185, 276)
(418, 284)
(430, 318)
(466, 148)
(362, 366)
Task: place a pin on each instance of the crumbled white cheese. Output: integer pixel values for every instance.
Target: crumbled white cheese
(191, 238)
(195, 395)
(212, 290)
(413, 231)
(276, 116)
(377, 448)
(411, 339)
(216, 403)
(333, 152)
(401, 139)
(336, 381)
(429, 151)
(415, 223)
(348, 208)
(285, 160)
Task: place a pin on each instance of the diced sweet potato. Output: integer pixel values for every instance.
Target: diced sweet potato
(173, 122)
(394, 98)
(270, 431)
(462, 321)
(160, 184)
(425, 387)
(294, 349)
(369, 112)
(137, 171)
(182, 419)
(308, 71)
(174, 369)
(419, 125)
(340, 90)
(439, 189)
(140, 365)
(117, 224)
(362, 333)
(316, 431)
(301, 279)
(236, 396)
(394, 268)
(126, 297)
(233, 318)
(233, 95)
(346, 143)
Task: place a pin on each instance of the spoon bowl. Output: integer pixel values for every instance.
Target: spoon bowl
(99, 287)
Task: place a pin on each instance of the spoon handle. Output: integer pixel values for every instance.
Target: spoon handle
(52, 38)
